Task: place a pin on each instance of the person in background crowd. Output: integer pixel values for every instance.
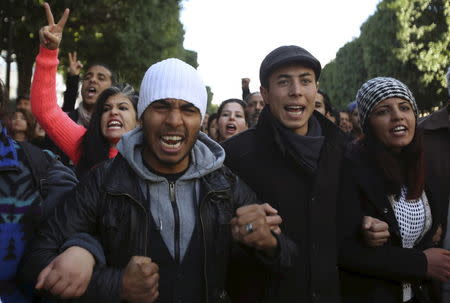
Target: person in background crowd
(23, 102)
(354, 117)
(345, 122)
(231, 119)
(245, 87)
(385, 179)
(163, 208)
(97, 78)
(292, 158)
(21, 125)
(255, 104)
(23, 206)
(115, 112)
(319, 104)
(212, 126)
(436, 128)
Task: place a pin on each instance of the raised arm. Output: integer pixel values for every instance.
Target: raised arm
(60, 128)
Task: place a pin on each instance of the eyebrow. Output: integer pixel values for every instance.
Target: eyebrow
(305, 74)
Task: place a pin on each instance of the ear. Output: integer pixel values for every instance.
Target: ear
(264, 93)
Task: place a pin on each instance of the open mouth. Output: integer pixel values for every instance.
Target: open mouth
(295, 109)
(91, 91)
(171, 142)
(399, 130)
(231, 128)
(114, 124)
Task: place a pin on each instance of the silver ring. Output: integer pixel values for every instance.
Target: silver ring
(249, 227)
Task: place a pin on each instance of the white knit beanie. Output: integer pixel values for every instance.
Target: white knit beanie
(175, 79)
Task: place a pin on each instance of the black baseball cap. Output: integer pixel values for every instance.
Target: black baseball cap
(284, 55)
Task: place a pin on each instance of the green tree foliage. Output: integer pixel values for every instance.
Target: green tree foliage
(342, 77)
(405, 39)
(128, 36)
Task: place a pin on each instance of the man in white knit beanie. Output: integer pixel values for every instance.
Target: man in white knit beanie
(165, 210)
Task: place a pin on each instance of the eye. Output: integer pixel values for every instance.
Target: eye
(123, 107)
(306, 81)
(381, 112)
(405, 107)
(283, 82)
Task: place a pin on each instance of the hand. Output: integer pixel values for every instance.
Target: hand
(273, 219)
(69, 274)
(75, 65)
(376, 232)
(51, 34)
(245, 82)
(438, 260)
(260, 236)
(437, 235)
(140, 281)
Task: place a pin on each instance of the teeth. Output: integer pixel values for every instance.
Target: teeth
(171, 138)
(294, 107)
(91, 90)
(231, 126)
(399, 128)
(114, 124)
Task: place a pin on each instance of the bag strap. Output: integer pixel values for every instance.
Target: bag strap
(39, 162)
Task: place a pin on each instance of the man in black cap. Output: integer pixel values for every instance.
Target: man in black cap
(292, 159)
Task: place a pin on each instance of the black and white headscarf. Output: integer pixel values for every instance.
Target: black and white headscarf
(378, 89)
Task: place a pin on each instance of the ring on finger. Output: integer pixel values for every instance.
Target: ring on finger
(249, 228)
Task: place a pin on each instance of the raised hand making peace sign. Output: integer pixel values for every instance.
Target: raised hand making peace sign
(51, 34)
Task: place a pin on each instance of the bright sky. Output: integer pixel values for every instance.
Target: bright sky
(232, 37)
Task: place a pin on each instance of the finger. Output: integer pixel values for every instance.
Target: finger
(51, 280)
(48, 13)
(269, 209)
(276, 229)
(75, 57)
(379, 226)
(59, 287)
(70, 57)
(367, 222)
(64, 18)
(147, 269)
(274, 220)
(249, 208)
(250, 217)
(43, 276)
(71, 291)
(378, 235)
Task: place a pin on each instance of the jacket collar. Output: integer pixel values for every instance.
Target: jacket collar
(268, 132)
(120, 179)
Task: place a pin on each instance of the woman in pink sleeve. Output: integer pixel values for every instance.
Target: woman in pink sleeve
(114, 113)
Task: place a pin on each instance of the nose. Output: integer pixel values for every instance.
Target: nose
(232, 117)
(397, 114)
(295, 88)
(174, 118)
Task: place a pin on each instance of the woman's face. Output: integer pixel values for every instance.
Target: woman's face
(231, 121)
(393, 123)
(18, 122)
(118, 117)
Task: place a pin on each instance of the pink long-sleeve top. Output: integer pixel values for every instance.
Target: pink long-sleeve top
(64, 132)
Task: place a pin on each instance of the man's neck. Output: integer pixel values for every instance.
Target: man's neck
(165, 168)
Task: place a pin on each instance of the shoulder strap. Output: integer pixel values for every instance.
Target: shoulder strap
(39, 162)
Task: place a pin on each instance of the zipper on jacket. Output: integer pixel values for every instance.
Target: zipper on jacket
(204, 248)
(145, 213)
(176, 217)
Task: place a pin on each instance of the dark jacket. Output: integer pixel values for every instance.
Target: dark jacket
(306, 202)
(376, 274)
(108, 203)
(436, 131)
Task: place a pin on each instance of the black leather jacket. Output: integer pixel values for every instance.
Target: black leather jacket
(109, 205)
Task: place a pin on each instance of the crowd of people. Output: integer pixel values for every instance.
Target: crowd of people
(277, 197)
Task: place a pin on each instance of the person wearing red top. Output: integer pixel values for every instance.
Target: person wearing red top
(114, 113)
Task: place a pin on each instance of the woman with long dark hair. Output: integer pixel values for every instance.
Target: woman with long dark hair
(114, 114)
(231, 119)
(385, 180)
